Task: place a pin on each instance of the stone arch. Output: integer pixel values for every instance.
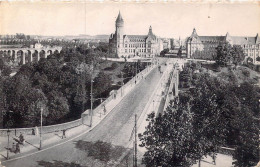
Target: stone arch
(20, 57)
(14, 55)
(49, 52)
(5, 54)
(9, 52)
(28, 56)
(43, 54)
(56, 51)
(1, 53)
(35, 56)
(9, 55)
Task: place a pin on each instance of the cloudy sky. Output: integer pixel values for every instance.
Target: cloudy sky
(167, 19)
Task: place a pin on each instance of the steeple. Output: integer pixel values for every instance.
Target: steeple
(194, 33)
(227, 34)
(150, 31)
(119, 18)
(257, 39)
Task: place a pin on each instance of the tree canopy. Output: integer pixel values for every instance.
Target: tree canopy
(210, 114)
(227, 54)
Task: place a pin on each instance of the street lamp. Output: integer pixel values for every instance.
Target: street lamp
(41, 130)
(8, 134)
(122, 83)
(91, 100)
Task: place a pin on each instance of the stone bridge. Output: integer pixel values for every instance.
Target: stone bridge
(25, 55)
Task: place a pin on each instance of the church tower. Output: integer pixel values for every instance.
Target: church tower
(119, 34)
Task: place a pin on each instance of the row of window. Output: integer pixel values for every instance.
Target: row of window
(252, 46)
(252, 54)
(134, 45)
(139, 50)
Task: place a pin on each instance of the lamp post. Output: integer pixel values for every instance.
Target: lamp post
(41, 130)
(8, 134)
(122, 83)
(91, 100)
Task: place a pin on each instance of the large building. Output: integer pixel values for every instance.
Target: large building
(133, 45)
(205, 46)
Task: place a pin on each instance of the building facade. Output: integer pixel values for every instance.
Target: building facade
(133, 45)
(205, 46)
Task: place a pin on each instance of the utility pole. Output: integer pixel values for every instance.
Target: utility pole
(135, 150)
(41, 130)
(91, 98)
(122, 83)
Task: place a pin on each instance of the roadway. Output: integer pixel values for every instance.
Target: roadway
(115, 131)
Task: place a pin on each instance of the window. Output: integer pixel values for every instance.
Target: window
(126, 45)
(126, 50)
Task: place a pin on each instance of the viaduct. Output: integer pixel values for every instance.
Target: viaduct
(31, 54)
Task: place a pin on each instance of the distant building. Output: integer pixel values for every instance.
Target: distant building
(205, 46)
(167, 43)
(133, 45)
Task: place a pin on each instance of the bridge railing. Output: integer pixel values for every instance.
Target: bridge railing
(78, 122)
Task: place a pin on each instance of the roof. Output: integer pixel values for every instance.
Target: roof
(136, 38)
(119, 18)
(239, 40)
(212, 38)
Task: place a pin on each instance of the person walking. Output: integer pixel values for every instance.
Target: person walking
(36, 131)
(17, 148)
(105, 110)
(214, 158)
(21, 138)
(13, 148)
(63, 134)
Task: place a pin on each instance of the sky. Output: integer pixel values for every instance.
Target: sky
(167, 19)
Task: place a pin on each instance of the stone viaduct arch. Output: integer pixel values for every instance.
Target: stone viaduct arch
(27, 55)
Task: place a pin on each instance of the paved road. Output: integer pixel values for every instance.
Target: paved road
(115, 129)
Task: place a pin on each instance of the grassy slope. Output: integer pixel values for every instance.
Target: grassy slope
(240, 73)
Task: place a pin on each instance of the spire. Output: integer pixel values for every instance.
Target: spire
(119, 18)
(227, 35)
(150, 30)
(194, 33)
(257, 39)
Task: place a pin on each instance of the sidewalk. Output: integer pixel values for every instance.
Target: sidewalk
(221, 161)
(51, 140)
(152, 105)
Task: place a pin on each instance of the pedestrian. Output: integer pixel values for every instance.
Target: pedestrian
(105, 110)
(135, 81)
(36, 131)
(63, 133)
(33, 131)
(13, 148)
(21, 138)
(17, 148)
(214, 158)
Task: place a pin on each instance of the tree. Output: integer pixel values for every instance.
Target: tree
(102, 83)
(169, 138)
(238, 54)
(245, 124)
(164, 51)
(57, 106)
(224, 54)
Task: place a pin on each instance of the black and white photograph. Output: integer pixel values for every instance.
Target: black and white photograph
(129, 83)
